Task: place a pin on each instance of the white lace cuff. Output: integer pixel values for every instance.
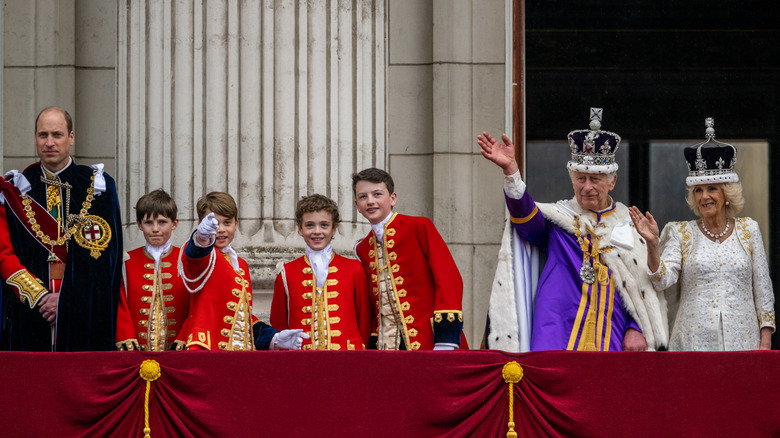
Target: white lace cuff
(514, 187)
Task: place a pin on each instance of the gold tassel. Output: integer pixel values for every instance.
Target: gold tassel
(512, 373)
(149, 371)
(588, 336)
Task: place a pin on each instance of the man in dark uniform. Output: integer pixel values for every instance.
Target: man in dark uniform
(65, 228)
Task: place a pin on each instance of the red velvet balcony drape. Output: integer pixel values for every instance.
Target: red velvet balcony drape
(391, 394)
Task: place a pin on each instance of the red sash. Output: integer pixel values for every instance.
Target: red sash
(49, 225)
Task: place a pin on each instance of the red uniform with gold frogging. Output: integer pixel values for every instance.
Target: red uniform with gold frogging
(221, 312)
(423, 280)
(153, 303)
(336, 318)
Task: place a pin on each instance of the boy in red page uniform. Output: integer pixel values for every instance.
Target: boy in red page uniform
(321, 292)
(414, 283)
(221, 307)
(153, 302)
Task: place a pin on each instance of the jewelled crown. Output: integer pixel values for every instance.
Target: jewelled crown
(593, 150)
(712, 161)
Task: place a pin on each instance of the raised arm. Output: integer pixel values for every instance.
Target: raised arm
(647, 227)
(503, 154)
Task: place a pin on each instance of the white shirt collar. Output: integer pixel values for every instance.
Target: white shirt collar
(379, 229)
(320, 260)
(57, 173)
(232, 254)
(157, 251)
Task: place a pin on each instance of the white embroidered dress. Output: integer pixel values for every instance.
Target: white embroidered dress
(725, 291)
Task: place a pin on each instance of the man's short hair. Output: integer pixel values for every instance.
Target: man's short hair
(373, 175)
(314, 203)
(220, 203)
(65, 114)
(156, 203)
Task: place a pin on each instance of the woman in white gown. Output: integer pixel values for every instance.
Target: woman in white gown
(726, 300)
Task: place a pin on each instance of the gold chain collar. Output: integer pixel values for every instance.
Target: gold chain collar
(588, 270)
(72, 219)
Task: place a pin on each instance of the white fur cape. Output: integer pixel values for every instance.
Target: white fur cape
(627, 260)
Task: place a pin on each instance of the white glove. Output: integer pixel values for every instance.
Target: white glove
(207, 229)
(289, 339)
(444, 347)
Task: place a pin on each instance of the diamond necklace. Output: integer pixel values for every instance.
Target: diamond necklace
(716, 236)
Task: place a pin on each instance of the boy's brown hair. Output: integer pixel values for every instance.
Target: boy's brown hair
(156, 203)
(316, 202)
(220, 203)
(374, 175)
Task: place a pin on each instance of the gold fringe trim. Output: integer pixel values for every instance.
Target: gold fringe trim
(512, 373)
(149, 371)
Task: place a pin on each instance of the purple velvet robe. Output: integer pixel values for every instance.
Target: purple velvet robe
(559, 296)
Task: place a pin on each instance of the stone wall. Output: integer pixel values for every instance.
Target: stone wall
(446, 84)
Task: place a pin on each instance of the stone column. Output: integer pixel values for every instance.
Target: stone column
(59, 53)
(39, 70)
(446, 84)
(469, 95)
(269, 100)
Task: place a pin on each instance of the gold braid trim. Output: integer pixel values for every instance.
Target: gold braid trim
(128, 345)
(743, 233)
(523, 220)
(439, 315)
(766, 317)
(599, 277)
(686, 241)
(660, 274)
(30, 289)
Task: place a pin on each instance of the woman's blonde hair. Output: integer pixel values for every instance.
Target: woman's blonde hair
(732, 192)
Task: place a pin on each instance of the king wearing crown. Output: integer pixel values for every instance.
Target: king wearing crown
(594, 293)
